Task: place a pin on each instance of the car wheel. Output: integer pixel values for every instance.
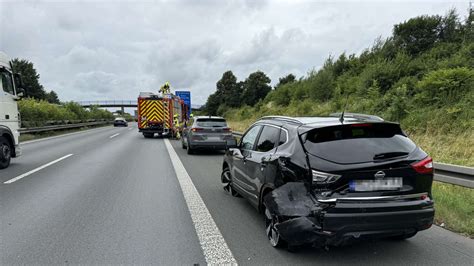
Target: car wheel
(404, 236)
(182, 144)
(189, 149)
(226, 180)
(272, 234)
(5, 153)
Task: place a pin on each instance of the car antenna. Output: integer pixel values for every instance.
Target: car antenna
(341, 118)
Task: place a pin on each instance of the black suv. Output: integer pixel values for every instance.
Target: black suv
(332, 180)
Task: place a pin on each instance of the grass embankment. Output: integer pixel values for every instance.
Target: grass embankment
(454, 207)
(454, 204)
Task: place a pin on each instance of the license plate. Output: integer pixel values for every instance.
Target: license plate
(393, 183)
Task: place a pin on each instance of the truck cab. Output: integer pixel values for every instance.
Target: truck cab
(9, 115)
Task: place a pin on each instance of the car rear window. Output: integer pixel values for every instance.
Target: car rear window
(358, 143)
(211, 122)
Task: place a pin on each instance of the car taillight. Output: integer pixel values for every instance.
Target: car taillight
(227, 129)
(424, 166)
(195, 129)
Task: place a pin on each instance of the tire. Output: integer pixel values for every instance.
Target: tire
(403, 237)
(272, 234)
(189, 149)
(148, 135)
(5, 153)
(182, 144)
(226, 181)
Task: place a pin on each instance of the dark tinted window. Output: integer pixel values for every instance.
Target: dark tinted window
(211, 122)
(358, 143)
(268, 138)
(250, 137)
(283, 137)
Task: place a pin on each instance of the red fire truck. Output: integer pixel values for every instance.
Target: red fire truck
(156, 114)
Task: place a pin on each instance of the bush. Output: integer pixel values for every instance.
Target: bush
(445, 86)
(39, 112)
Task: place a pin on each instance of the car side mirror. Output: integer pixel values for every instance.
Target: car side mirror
(231, 143)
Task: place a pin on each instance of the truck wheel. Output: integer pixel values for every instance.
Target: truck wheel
(5, 153)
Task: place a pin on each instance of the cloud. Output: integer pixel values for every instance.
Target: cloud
(114, 50)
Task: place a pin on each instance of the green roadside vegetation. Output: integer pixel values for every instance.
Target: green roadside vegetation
(37, 113)
(46, 134)
(422, 77)
(454, 208)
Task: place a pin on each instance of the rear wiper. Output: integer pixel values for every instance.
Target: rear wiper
(387, 155)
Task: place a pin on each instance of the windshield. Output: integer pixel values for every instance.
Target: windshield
(211, 122)
(358, 143)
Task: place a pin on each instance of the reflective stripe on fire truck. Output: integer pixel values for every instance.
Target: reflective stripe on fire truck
(154, 110)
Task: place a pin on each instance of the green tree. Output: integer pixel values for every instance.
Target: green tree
(256, 87)
(52, 97)
(418, 34)
(229, 90)
(290, 78)
(212, 104)
(450, 27)
(30, 78)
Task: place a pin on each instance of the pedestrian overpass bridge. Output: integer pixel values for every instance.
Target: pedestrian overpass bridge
(120, 104)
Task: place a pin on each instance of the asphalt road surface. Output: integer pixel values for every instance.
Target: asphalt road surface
(108, 195)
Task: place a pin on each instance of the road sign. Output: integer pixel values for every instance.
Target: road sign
(186, 97)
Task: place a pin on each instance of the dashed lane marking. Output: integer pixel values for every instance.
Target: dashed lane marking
(114, 135)
(36, 169)
(212, 242)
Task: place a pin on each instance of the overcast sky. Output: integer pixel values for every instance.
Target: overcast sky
(112, 50)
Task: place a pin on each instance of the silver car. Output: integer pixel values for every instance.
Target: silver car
(206, 132)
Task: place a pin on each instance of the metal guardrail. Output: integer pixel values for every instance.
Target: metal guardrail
(446, 173)
(237, 134)
(454, 174)
(60, 127)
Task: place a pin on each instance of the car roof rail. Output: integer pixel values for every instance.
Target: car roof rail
(359, 116)
(282, 118)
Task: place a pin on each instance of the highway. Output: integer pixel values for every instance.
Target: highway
(109, 195)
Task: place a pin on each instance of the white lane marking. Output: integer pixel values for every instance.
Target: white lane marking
(130, 128)
(114, 135)
(36, 169)
(65, 135)
(212, 242)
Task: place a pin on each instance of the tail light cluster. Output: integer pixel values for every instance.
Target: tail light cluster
(227, 129)
(424, 166)
(196, 129)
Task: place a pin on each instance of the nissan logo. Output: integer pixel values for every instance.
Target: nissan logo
(379, 174)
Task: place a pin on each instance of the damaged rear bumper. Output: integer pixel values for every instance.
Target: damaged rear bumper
(306, 220)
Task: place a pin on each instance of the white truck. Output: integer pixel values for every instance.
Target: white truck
(10, 93)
